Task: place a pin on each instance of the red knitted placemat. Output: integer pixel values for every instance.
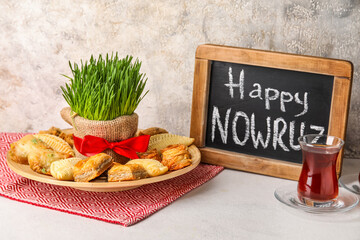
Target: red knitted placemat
(125, 208)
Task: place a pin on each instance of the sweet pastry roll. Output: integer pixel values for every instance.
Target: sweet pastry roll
(119, 172)
(153, 167)
(152, 154)
(161, 141)
(151, 131)
(20, 150)
(53, 131)
(40, 160)
(56, 143)
(92, 167)
(63, 169)
(68, 137)
(176, 157)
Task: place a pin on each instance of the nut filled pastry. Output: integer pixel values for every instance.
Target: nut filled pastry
(92, 167)
(176, 157)
(119, 172)
(153, 167)
(39, 145)
(151, 154)
(63, 169)
(56, 143)
(68, 137)
(19, 151)
(41, 160)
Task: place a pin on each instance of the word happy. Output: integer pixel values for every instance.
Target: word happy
(276, 128)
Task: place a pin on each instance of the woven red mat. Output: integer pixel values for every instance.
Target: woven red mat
(125, 208)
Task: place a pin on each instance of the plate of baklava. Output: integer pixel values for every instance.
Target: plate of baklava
(49, 157)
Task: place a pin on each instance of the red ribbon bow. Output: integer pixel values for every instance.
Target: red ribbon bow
(92, 145)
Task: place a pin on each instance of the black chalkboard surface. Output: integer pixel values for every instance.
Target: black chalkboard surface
(249, 107)
(262, 111)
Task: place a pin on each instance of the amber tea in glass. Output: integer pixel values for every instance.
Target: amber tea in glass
(318, 183)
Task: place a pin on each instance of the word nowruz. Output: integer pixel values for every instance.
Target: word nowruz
(275, 128)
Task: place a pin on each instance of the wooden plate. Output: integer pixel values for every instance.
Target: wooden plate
(100, 185)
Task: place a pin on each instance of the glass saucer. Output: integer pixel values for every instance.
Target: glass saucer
(351, 183)
(344, 202)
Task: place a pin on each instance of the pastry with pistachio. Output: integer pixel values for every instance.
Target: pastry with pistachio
(56, 143)
(41, 159)
(20, 150)
(67, 137)
(39, 151)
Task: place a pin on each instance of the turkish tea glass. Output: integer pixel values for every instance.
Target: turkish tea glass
(318, 183)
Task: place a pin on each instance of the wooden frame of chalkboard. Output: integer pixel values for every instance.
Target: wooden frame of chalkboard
(210, 60)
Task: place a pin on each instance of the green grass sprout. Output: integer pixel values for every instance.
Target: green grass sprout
(105, 89)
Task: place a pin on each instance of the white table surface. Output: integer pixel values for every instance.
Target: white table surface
(233, 205)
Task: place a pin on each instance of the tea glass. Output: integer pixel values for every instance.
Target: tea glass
(318, 183)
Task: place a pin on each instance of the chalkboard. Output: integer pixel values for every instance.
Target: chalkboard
(262, 111)
(250, 106)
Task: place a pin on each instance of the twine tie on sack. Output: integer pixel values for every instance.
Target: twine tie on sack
(73, 115)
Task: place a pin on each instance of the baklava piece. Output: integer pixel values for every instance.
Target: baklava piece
(56, 143)
(68, 137)
(176, 157)
(41, 160)
(119, 172)
(153, 167)
(19, 151)
(63, 169)
(152, 154)
(92, 167)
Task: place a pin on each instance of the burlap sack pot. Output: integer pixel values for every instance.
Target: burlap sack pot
(115, 130)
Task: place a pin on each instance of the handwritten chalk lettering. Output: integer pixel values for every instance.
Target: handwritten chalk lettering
(241, 82)
(231, 85)
(247, 126)
(270, 97)
(256, 93)
(304, 102)
(271, 94)
(292, 132)
(318, 128)
(275, 129)
(216, 121)
(284, 99)
(277, 138)
(259, 135)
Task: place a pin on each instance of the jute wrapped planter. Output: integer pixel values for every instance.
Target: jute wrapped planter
(115, 130)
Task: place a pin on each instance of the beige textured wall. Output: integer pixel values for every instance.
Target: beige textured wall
(38, 38)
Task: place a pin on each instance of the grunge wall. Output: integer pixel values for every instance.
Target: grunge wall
(38, 38)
